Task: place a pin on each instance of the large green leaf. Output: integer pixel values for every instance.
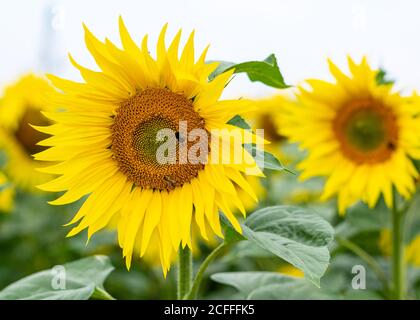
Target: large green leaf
(266, 71)
(294, 234)
(82, 278)
(270, 285)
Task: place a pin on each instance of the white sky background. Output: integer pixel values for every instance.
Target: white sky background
(37, 34)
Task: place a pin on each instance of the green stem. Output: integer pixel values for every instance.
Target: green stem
(184, 272)
(370, 261)
(192, 294)
(101, 294)
(398, 262)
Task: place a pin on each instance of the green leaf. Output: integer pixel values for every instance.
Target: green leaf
(230, 235)
(247, 249)
(239, 122)
(294, 234)
(265, 160)
(382, 78)
(77, 280)
(266, 71)
(270, 286)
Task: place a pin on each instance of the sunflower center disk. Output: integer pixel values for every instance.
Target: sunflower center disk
(367, 131)
(270, 131)
(147, 142)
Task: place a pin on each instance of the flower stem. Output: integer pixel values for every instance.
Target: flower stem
(184, 272)
(398, 262)
(192, 294)
(370, 261)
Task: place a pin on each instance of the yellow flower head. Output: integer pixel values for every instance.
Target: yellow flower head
(20, 108)
(105, 141)
(267, 116)
(359, 134)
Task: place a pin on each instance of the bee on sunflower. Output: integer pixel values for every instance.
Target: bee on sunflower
(104, 138)
(20, 108)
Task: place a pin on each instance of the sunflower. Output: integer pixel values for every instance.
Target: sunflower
(104, 138)
(20, 108)
(268, 116)
(359, 134)
(7, 193)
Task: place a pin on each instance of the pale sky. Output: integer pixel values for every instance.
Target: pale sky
(36, 35)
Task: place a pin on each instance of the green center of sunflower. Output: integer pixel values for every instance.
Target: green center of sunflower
(135, 143)
(367, 130)
(26, 135)
(144, 138)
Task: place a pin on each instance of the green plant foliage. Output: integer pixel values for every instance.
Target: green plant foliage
(293, 234)
(270, 285)
(266, 71)
(79, 280)
(382, 78)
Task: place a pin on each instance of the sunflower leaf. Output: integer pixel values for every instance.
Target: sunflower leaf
(270, 285)
(293, 234)
(230, 234)
(77, 280)
(382, 78)
(266, 71)
(264, 159)
(239, 122)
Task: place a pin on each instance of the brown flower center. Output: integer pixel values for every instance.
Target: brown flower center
(27, 136)
(367, 131)
(270, 130)
(136, 143)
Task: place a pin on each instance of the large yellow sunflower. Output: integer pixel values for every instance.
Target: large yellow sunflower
(105, 140)
(359, 134)
(20, 108)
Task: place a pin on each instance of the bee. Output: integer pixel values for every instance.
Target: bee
(171, 182)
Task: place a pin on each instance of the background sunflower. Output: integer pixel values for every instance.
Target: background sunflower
(20, 108)
(360, 135)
